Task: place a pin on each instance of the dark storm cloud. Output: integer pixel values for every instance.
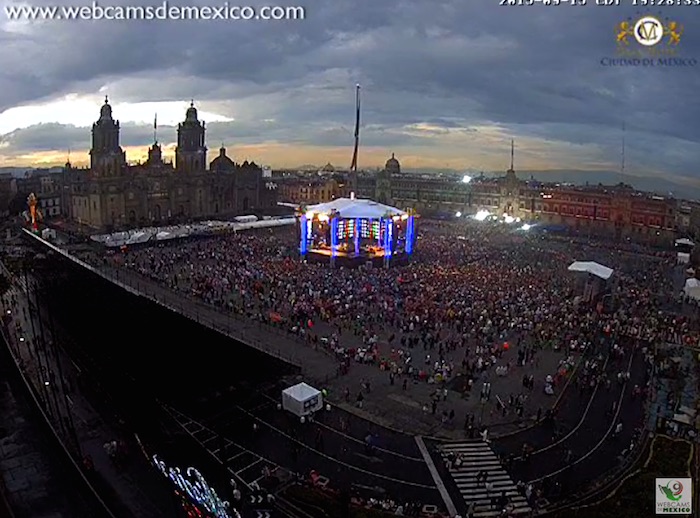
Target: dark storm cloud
(531, 70)
(44, 137)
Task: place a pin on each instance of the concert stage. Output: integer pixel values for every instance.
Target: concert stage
(356, 231)
(349, 259)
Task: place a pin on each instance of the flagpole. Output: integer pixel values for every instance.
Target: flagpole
(353, 166)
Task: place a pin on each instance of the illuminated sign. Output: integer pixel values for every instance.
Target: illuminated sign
(192, 483)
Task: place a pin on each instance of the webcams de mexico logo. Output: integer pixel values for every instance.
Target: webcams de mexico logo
(674, 496)
(648, 42)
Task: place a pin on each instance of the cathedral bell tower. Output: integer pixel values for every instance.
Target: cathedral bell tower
(106, 156)
(191, 152)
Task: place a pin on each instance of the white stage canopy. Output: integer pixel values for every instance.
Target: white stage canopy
(349, 208)
(692, 289)
(144, 235)
(591, 267)
(684, 242)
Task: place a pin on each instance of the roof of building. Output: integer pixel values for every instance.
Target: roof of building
(355, 208)
(591, 267)
(222, 162)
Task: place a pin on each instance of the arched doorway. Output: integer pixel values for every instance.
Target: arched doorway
(246, 203)
(156, 213)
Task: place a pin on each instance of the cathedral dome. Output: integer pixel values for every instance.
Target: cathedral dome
(191, 113)
(392, 165)
(106, 110)
(222, 162)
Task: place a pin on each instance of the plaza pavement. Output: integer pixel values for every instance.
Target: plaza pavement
(343, 458)
(584, 439)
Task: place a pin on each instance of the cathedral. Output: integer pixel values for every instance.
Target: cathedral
(112, 194)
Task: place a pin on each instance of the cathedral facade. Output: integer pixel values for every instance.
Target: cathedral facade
(112, 194)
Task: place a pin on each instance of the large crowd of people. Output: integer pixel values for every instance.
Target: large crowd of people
(471, 291)
(470, 288)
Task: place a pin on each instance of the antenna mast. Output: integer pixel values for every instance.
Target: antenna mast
(512, 155)
(622, 158)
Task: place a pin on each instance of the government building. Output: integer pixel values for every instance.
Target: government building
(112, 194)
(617, 211)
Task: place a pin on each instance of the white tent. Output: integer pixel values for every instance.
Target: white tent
(591, 267)
(349, 208)
(692, 289)
(684, 242)
(302, 399)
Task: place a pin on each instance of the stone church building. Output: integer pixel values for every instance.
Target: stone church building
(112, 194)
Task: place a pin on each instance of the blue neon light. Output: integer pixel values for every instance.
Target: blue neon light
(303, 242)
(389, 237)
(358, 230)
(334, 235)
(410, 236)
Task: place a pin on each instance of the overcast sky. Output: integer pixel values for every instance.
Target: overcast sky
(444, 84)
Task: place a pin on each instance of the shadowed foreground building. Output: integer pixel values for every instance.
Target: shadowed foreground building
(113, 194)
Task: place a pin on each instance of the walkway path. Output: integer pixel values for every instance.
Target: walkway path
(478, 457)
(245, 467)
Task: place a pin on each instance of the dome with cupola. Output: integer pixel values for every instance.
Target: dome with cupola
(191, 114)
(392, 165)
(106, 110)
(222, 162)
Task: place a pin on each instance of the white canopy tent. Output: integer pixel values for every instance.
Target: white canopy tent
(684, 242)
(302, 399)
(692, 289)
(591, 267)
(350, 208)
